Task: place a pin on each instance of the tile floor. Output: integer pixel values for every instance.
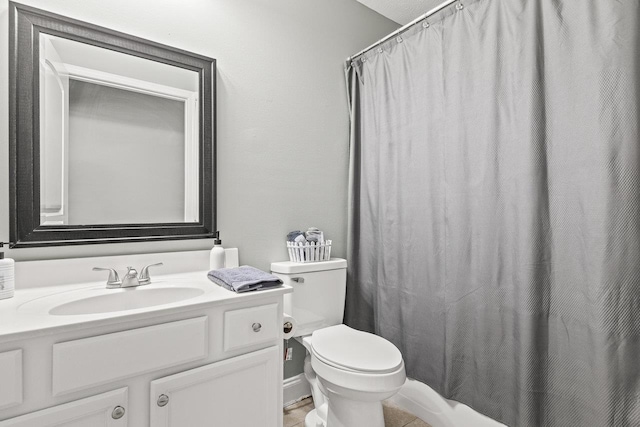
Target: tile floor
(393, 416)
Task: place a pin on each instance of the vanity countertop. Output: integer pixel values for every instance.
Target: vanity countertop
(27, 313)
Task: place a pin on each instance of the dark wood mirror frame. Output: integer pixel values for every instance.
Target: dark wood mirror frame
(26, 24)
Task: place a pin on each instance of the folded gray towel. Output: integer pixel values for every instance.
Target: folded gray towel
(296, 236)
(243, 279)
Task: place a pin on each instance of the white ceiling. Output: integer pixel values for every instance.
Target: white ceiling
(401, 11)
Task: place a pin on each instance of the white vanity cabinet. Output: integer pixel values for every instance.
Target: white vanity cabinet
(210, 364)
(233, 392)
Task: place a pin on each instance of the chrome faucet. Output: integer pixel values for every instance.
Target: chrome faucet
(131, 278)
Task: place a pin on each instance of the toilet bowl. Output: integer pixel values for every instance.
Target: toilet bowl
(351, 373)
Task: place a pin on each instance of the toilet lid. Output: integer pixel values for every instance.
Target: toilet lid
(344, 347)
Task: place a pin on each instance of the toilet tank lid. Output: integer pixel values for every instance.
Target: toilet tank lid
(288, 267)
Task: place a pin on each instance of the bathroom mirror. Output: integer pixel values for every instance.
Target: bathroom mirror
(111, 136)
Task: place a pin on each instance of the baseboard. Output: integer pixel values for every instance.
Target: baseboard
(295, 389)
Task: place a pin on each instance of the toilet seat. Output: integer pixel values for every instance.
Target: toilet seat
(355, 351)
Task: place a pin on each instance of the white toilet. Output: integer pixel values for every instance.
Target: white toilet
(350, 372)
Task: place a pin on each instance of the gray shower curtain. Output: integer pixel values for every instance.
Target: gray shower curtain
(494, 208)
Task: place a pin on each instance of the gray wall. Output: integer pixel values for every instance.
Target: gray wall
(295, 366)
(282, 111)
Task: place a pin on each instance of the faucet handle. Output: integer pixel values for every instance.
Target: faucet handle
(144, 277)
(114, 280)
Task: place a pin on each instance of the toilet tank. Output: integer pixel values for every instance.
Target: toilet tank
(318, 294)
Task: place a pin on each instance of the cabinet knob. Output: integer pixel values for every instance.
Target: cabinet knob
(117, 413)
(256, 327)
(163, 399)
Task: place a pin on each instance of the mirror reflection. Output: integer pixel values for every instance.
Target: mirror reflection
(119, 137)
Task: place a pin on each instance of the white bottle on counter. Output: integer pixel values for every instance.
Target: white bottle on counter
(7, 276)
(217, 257)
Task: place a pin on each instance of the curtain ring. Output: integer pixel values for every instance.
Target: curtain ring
(399, 39)
(459, 6)
(425, 24)
(379, 50)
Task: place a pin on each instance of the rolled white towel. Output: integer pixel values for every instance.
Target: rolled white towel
(314, 234)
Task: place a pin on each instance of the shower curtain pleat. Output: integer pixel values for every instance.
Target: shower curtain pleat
(494, 222)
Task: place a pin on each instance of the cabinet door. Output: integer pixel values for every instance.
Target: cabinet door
(95, 411)
(238, 392)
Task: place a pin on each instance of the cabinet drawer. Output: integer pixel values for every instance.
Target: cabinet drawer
(250, 326)
(91, 411)
(98, 360)
(10, 378)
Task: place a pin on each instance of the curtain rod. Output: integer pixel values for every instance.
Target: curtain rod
(405, 27)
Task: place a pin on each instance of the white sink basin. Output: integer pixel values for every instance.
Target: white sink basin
(125, 299)
(96, 299)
